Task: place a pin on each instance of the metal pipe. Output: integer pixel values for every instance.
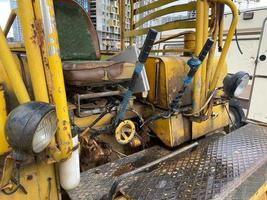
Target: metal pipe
(34, 57)
(12, 16)
(4, 147)
(122, 23)
(4, 79)
(227, 43)
(157, 82)
(174, 36)
(204, 64)
(38, 17)
(12, 71)
(199, 45)
(99, 94)
(189, 42)
(132, 21)
(210, 61)
(63, 135)
(113, 189)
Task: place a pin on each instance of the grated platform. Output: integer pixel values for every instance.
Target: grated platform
(219, 168)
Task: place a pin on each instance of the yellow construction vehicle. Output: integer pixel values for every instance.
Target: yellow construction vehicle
(74, 126)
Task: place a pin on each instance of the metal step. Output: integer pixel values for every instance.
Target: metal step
(221, 167)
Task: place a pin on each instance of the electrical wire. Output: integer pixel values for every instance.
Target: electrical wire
(228, 113)
(237, 42)
(16, 181)
(204, 106)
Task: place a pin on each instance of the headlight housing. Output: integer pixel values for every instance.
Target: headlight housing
(30, 127)
(235, 84)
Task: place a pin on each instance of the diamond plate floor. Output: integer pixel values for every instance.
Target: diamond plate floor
(217, 169)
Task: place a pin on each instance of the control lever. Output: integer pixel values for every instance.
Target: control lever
(194, 64)
(148, 44)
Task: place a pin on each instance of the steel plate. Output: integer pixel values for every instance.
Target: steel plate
(214, 170)
(221, 167)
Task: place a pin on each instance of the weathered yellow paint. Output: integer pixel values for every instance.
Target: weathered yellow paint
(154, 5)
(63, 135)
(4, 78)
(12, 71)
(4, 147)
(10, 21)
(204, 64)
(84, 122)
(171, 73)
(199, 45)
(34, 57)
(204, 127)
(35, 179)
(172, 131)
(160, 28)
(261, 193)
(166, 11)
(38, 16)
(227, 43)
(210, 66)
(218, 120)
(189, 40)
(122, 22)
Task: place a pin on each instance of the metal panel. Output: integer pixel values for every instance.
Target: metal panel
(220, 167)
(258, 109)
(217, 167)
(96, 182)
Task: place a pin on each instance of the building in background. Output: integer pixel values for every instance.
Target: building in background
(85, 4)
(105, 16)
(106, 19)
(17, 33)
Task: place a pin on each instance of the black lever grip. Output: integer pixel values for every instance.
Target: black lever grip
(148, 44)
(205, 50)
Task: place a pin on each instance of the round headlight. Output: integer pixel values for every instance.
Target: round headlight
(235, 84)
(30, 127)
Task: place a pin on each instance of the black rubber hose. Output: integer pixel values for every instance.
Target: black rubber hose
(237, 42)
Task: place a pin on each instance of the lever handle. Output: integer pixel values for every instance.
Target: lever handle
(205, 50)
(148, 44)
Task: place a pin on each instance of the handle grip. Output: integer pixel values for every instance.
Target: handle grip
(205, 50)
(148, 44)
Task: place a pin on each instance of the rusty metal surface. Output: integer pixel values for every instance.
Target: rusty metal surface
(213, 171)
(219, 168)
(251, 185)
(96, 182)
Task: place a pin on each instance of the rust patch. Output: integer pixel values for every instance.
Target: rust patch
(39, 33)
(123, 169)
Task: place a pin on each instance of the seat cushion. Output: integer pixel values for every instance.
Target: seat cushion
(86, 73)
(78, 38)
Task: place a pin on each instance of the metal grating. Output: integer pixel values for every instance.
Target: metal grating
(97, 182)
(217, 169)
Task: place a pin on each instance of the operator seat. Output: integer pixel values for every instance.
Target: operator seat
(80, 51)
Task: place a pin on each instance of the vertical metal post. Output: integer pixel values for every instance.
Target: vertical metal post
(204, 64)
(122, 23)
(12, 71)
(132, 21)
(63, 136)
(227, 43)
(3, 115)
(210, 60)
(199, 44)
(34, 57)
(10, 20)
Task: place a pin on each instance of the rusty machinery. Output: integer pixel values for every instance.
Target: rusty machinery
(62, 100)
